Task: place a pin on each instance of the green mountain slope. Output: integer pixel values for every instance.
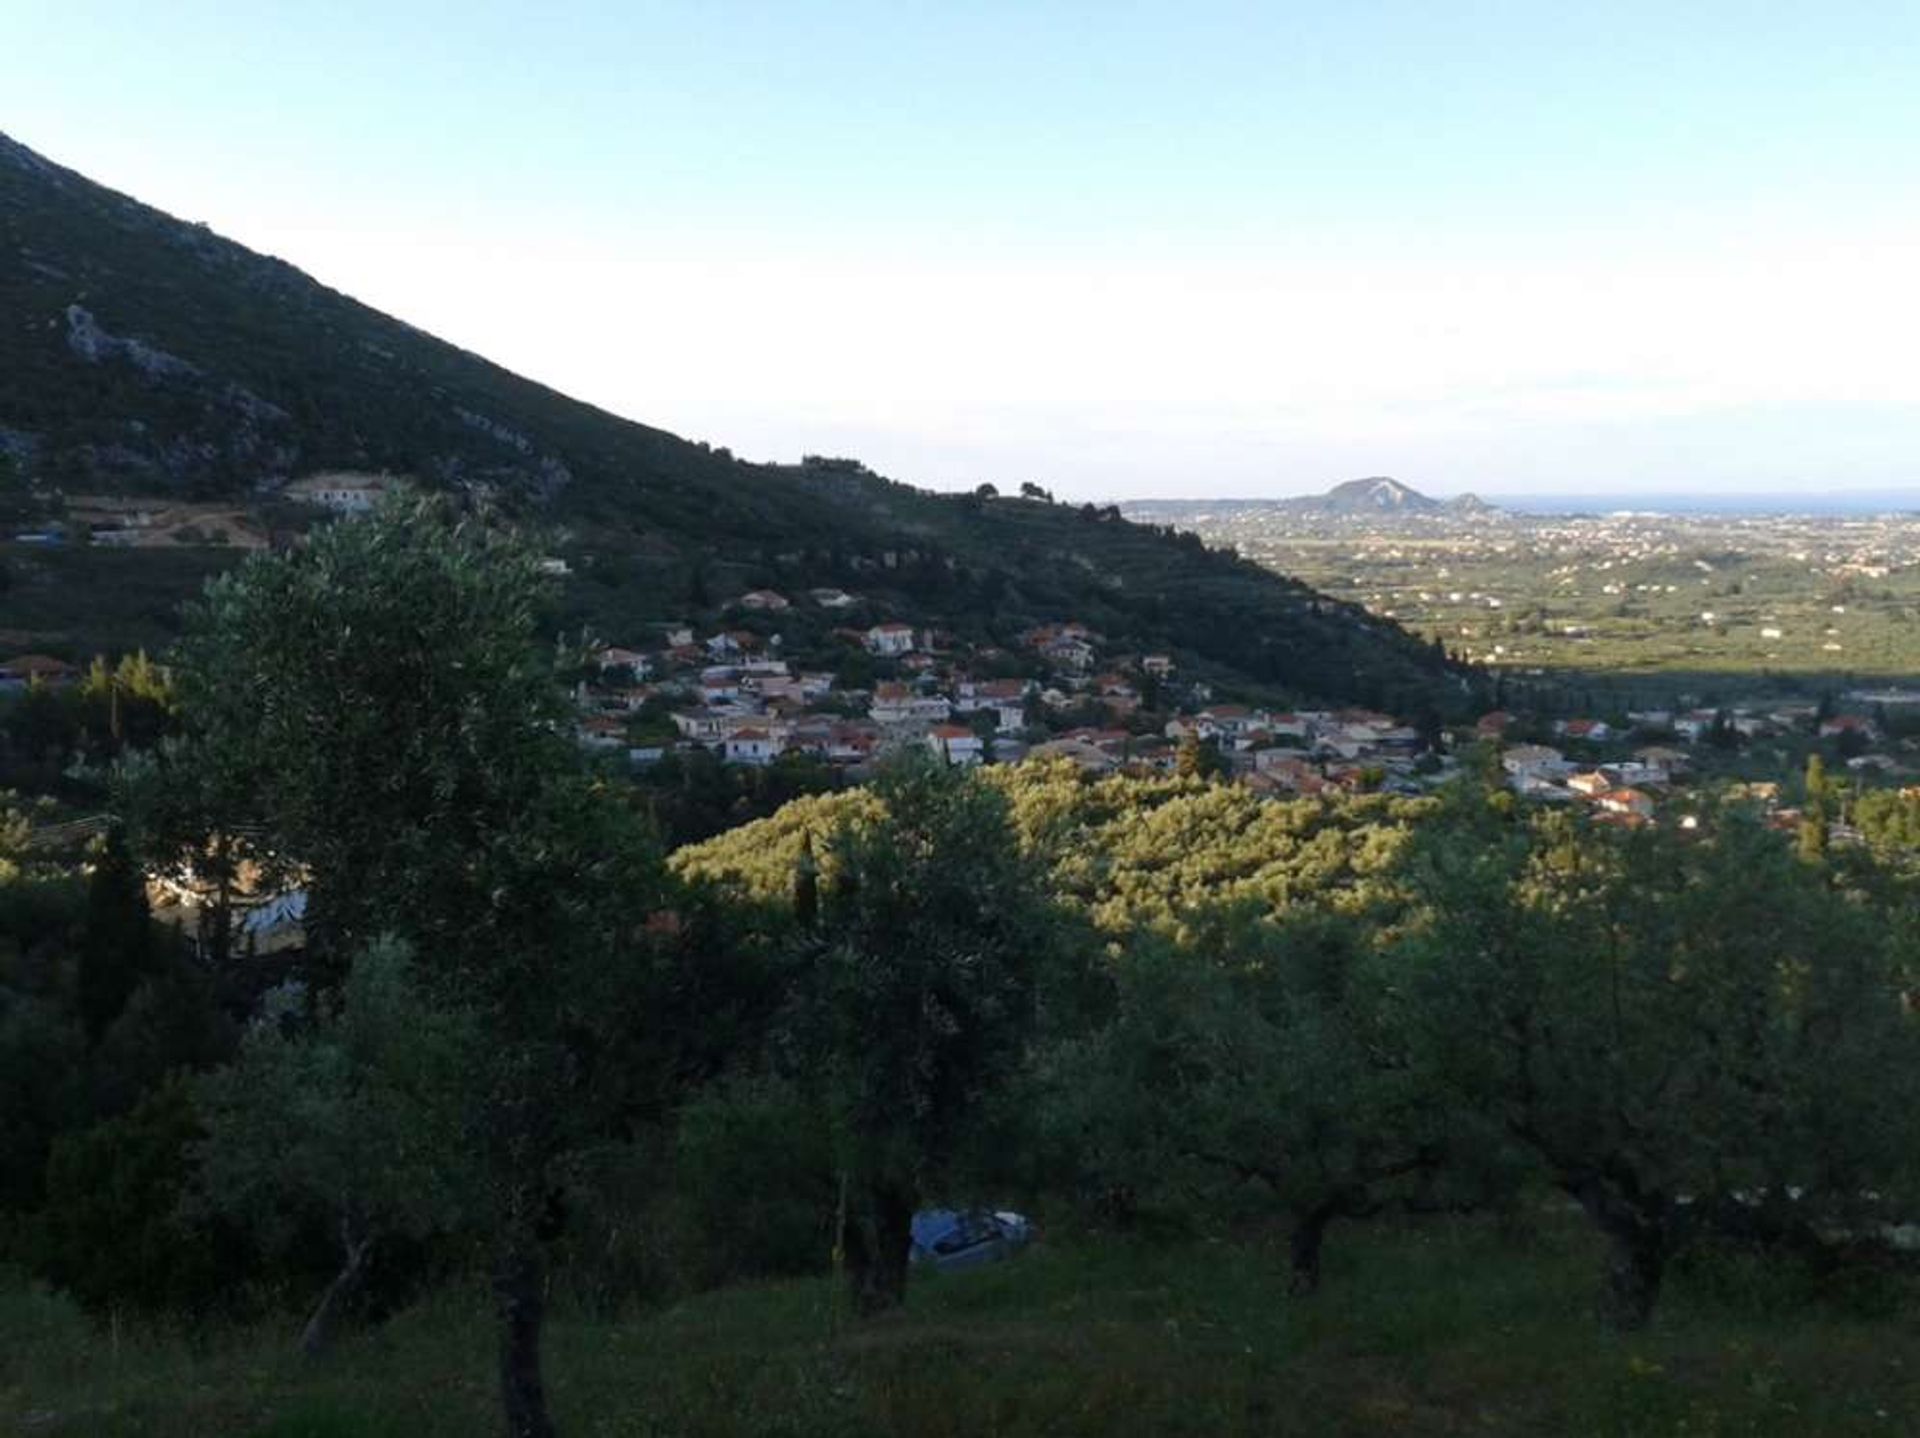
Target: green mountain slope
(143, 355)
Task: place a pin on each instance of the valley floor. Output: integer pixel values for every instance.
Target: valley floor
(1444, 1328)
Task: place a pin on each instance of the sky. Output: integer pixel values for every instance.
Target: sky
(1121, 250)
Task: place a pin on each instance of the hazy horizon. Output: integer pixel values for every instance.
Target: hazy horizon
(1146, 254)
(1852, 502)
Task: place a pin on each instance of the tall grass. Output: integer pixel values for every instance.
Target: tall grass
(1440, 1328)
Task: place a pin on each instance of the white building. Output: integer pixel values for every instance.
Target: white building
(898, 704)
(752, 746)
(1534, 761)
(890, 639)
(342, 493)
(956, 743)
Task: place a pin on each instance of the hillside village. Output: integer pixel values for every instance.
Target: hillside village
(1064, 691)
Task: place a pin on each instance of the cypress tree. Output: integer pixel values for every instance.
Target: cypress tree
(116, 941)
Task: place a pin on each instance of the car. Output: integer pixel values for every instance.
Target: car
(952, 1238)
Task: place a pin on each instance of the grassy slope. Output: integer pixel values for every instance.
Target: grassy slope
(349, 387)
(1437, 1330)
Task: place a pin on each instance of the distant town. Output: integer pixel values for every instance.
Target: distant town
(1631, 595)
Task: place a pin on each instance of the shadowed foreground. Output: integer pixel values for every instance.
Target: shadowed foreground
(1433, 1330)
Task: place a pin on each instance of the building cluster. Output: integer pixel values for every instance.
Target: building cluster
(1062, 693)
(1626, 790)
(1308, 751)
(734, 694)
(1628, 786)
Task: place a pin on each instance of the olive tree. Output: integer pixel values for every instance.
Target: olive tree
(917, 992)
(356, 1119)
(1689, 1033)
(379, 713)
(375, 708)
(1262, 1056)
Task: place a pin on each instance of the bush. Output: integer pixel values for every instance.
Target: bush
(42, 1093)
(110, 1233)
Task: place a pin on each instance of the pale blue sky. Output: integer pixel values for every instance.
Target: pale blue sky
(1121, 249)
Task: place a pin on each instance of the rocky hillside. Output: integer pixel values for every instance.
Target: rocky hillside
(143, 355)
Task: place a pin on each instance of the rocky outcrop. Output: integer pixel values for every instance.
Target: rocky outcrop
(90, 342)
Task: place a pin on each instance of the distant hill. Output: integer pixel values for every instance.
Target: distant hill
(1381, 495)
(140, 354)
(1364, 496)
(1354, 498)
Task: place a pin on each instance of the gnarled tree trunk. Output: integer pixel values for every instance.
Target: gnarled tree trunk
(879, 1245)
(1638, 1246)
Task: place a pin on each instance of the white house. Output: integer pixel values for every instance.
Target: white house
(1231, 721)
(1010, 713)
(1694, 725)
(1074, 653)
(342, 493)
(890, 639)
(1633, 774)
(772, 687)
(1532, 761)
(701, 725)
(895, 703)
(956, 743)
(752, 746)
(971, 695)
(891, 703)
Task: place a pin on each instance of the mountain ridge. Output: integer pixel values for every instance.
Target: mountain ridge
(142, 354)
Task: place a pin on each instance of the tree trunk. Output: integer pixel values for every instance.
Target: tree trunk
(317, 1337)
(1304, 1245)
(879, 1244)
(1636, 1262)
(1638, 1243)
(518, 1289)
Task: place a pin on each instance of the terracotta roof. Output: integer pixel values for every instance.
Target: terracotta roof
(28, 665)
